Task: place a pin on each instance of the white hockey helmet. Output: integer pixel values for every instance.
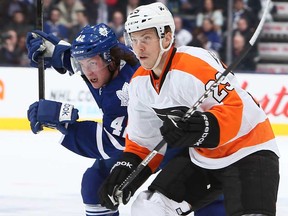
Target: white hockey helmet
(155, 15)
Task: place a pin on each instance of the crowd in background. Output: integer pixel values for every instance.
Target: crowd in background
(200, 23)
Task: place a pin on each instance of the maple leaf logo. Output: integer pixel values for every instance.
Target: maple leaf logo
(103, 31)
(123, 94)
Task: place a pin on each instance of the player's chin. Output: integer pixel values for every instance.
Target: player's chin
(96, 85)
(146, 64)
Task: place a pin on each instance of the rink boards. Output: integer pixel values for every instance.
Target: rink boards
(19, 88)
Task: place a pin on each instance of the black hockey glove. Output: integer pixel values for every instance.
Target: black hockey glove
(201, 130)
(110, 196)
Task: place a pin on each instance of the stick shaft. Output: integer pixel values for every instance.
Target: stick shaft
(41, 75)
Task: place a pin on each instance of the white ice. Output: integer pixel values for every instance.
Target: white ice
(39, 177)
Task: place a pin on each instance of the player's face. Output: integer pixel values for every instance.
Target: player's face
(96, 71)
(146, 46)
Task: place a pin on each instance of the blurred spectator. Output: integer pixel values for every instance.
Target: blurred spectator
(117, 24)
(213, 38)
(82, 21)
(101, 11)
(48, 5)
(19, 23)
(250, 60)
(68, 9)
(189, 7)
(243, 27)
(3, 14)
(127, 6)
(23, 58)
(20, 16)
(131, 5)
(173, 6)
(144, 2)
(54, 26)
(28, 8)
(199, 39)
(91, 8)
(7, 8)
(209, 11)
(182, 35)
(14, 5)
(221, 5)
(255, 6)
(103, 15)
(241, 10)
(9, 51)
(111, 8)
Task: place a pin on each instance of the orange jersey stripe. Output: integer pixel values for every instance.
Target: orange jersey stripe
(142, 152)
(229, 128)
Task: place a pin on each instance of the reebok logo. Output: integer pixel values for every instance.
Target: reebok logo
(206, 131)
(65, 112)
(123, 164)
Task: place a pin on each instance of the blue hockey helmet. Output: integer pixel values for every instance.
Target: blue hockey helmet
(92, 41)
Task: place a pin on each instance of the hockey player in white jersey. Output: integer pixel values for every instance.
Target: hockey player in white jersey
(229, 145)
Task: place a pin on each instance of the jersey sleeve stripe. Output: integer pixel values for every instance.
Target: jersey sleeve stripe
(229, 115)
(142, 152)
(99, 142)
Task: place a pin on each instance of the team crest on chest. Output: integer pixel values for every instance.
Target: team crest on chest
(123, 94)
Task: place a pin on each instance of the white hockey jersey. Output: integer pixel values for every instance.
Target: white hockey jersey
(189, 71)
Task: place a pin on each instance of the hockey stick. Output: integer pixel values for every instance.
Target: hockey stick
(41, 70)
(234, 64)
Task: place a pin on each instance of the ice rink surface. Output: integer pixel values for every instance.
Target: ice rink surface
(39, 177)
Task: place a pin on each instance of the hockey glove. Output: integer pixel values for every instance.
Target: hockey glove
(56, 52)
(51, 114)
(200, 130)
(110, 196)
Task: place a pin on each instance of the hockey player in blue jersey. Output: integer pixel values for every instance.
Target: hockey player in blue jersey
(106, 67)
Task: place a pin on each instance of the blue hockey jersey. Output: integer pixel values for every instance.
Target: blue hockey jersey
(107, 139)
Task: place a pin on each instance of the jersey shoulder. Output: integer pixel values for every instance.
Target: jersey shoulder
(141, 72)
(196, 52)
(195, 59)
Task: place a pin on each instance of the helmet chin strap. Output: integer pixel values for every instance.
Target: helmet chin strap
(162, 50)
